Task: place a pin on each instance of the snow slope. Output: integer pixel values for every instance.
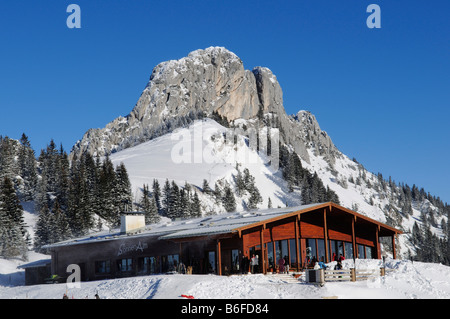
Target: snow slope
(406, 280)
(200, 152)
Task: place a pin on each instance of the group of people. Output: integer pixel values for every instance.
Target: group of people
(316, 264)
(65, 296)
(283, 263)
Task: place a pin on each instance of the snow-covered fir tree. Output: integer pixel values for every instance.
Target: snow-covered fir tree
(13, 235)
(148, 205)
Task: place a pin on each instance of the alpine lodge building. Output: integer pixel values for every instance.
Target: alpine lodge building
(223, 244)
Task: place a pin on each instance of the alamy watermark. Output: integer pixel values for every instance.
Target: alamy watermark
(74, 279)
(202, 144)
(73, 21)
(374, 19)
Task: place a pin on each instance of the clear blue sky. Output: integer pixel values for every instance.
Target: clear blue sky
(381, 94)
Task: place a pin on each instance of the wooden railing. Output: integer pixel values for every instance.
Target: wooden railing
(321, 276)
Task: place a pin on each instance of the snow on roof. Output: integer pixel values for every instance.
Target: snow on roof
(202, 226)
(36, 263)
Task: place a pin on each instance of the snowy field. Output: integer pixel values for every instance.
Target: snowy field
(407, 280)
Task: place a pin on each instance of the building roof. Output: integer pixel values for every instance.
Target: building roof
(215, 225)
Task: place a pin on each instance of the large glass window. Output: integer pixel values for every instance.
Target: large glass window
(143, 264)
(292, 253)
(348, 250)
(285, 249)
(311, 251)
(340, 248)
(212, 261)
(336, 249)
(235, 260)
(321, 249)
(281, 247)
(277, 250)
(361, 251)
(333, 250)
(103, 267)
(270, 255)
(369, 252)
(125, 264)
(172, 262)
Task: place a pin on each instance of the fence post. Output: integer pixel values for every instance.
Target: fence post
(353, 274)
(321, 276)
(382, 271)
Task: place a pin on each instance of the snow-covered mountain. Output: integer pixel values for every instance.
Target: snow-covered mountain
(206, 82)
(173, 134)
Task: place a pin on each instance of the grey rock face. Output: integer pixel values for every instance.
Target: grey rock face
(206, 81)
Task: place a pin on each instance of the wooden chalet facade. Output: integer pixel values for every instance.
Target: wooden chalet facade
(223, 244)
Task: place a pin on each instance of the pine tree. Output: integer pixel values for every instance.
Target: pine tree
(269, 203)
(229, 201)
(217, 193)
(8, 165)
(11, 205)
(12, 228)
(184, 210)
(51, 184)
(205, 187)
(43, 228)
(122, 189)
(81, 198)
(157, 195)
(255, 197)
(60, 223)
(27, 169)
(62, 178)
(175, 202)
(107, 184)
(166, 199)
(240, 183)
(196, 210)
(148, 205)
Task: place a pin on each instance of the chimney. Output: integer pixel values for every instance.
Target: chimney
(132, 222)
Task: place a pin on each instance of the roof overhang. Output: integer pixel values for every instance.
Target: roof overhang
(331, 208)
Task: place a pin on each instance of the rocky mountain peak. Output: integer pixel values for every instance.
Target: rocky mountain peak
(206, 81)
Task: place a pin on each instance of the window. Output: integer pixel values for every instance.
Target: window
(340, 248)
(169, 263)
(103, 267)
(235, 260)
(333, 250)
(311, 251)
(361, 250)
(281, 247)
(369, 252)
(321, 249)
(293, 253)
(270, 255)
(212, 261)
(172, 262)
(348, 250)
(125, 264)
(285, 249)
(147, 265)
